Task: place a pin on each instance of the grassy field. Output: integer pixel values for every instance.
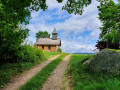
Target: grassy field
(50, 54)
(9, 70)
(38, 80)
(83, 78)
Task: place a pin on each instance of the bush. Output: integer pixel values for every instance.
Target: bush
(30, 54)
(10, 43)
(103, 44)
(59, 50)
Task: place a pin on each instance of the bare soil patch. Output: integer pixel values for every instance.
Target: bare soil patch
(55, 80)
(18, 81)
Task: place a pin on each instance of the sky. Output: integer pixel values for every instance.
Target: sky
(78, 33)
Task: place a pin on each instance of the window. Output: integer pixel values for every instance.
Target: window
(42, 47)
(48, 47)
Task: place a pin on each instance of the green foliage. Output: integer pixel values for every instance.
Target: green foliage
(38, 80)
(12, 13)
(32, 57)
(84, 78)
(113, 37)
(110, 18)
(59, 50)
(76, 6)
(30, 54)
(11, 40)
(42, 34)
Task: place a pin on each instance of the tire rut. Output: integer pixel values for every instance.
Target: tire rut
(55, 80)
(17, 82)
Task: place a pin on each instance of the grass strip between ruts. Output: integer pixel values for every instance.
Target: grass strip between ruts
(38, 80)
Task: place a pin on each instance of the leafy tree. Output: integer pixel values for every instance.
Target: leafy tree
(21, 9)
(59, 50)
(13, 12)
(109, 15)
(42, 34)
(10, 43)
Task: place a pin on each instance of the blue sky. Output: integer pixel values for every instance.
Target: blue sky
(78, 33)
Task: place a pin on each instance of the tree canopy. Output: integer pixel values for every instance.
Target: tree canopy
(14, 12)
(109, 15)
(19, 10)
(42, 34)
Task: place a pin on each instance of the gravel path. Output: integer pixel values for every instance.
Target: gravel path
(55, 80)
(17, 82)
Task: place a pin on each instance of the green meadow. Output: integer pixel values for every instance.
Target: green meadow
(84, 78)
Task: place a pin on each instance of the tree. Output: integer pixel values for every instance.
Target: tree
(109, 15)
(42, 34)
(10, 43)
(13, 12)
(59, 50)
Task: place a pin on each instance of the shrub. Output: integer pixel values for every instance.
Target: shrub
(59, 50)
(30, 54)
(10, 43)
(103, 44)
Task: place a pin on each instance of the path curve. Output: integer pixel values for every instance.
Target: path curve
(17, 82)
(55, 80)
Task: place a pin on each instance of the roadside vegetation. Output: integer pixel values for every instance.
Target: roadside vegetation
(84, 78)
(30, 56)
(15, 58)
(50, 54)
(38, 80)
(59, 50)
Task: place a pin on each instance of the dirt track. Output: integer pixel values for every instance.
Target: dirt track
(17, 82)
(55, 80)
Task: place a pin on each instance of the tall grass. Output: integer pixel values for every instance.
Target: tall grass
(83, 78)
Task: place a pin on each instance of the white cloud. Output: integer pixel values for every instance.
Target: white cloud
(76, 47)
(71, 26)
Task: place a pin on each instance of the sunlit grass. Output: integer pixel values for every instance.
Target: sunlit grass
(50, 54)
(114, 50)
(83, 78)
(38, 80)
(8, 70)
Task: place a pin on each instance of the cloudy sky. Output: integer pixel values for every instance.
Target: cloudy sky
(78, 33)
